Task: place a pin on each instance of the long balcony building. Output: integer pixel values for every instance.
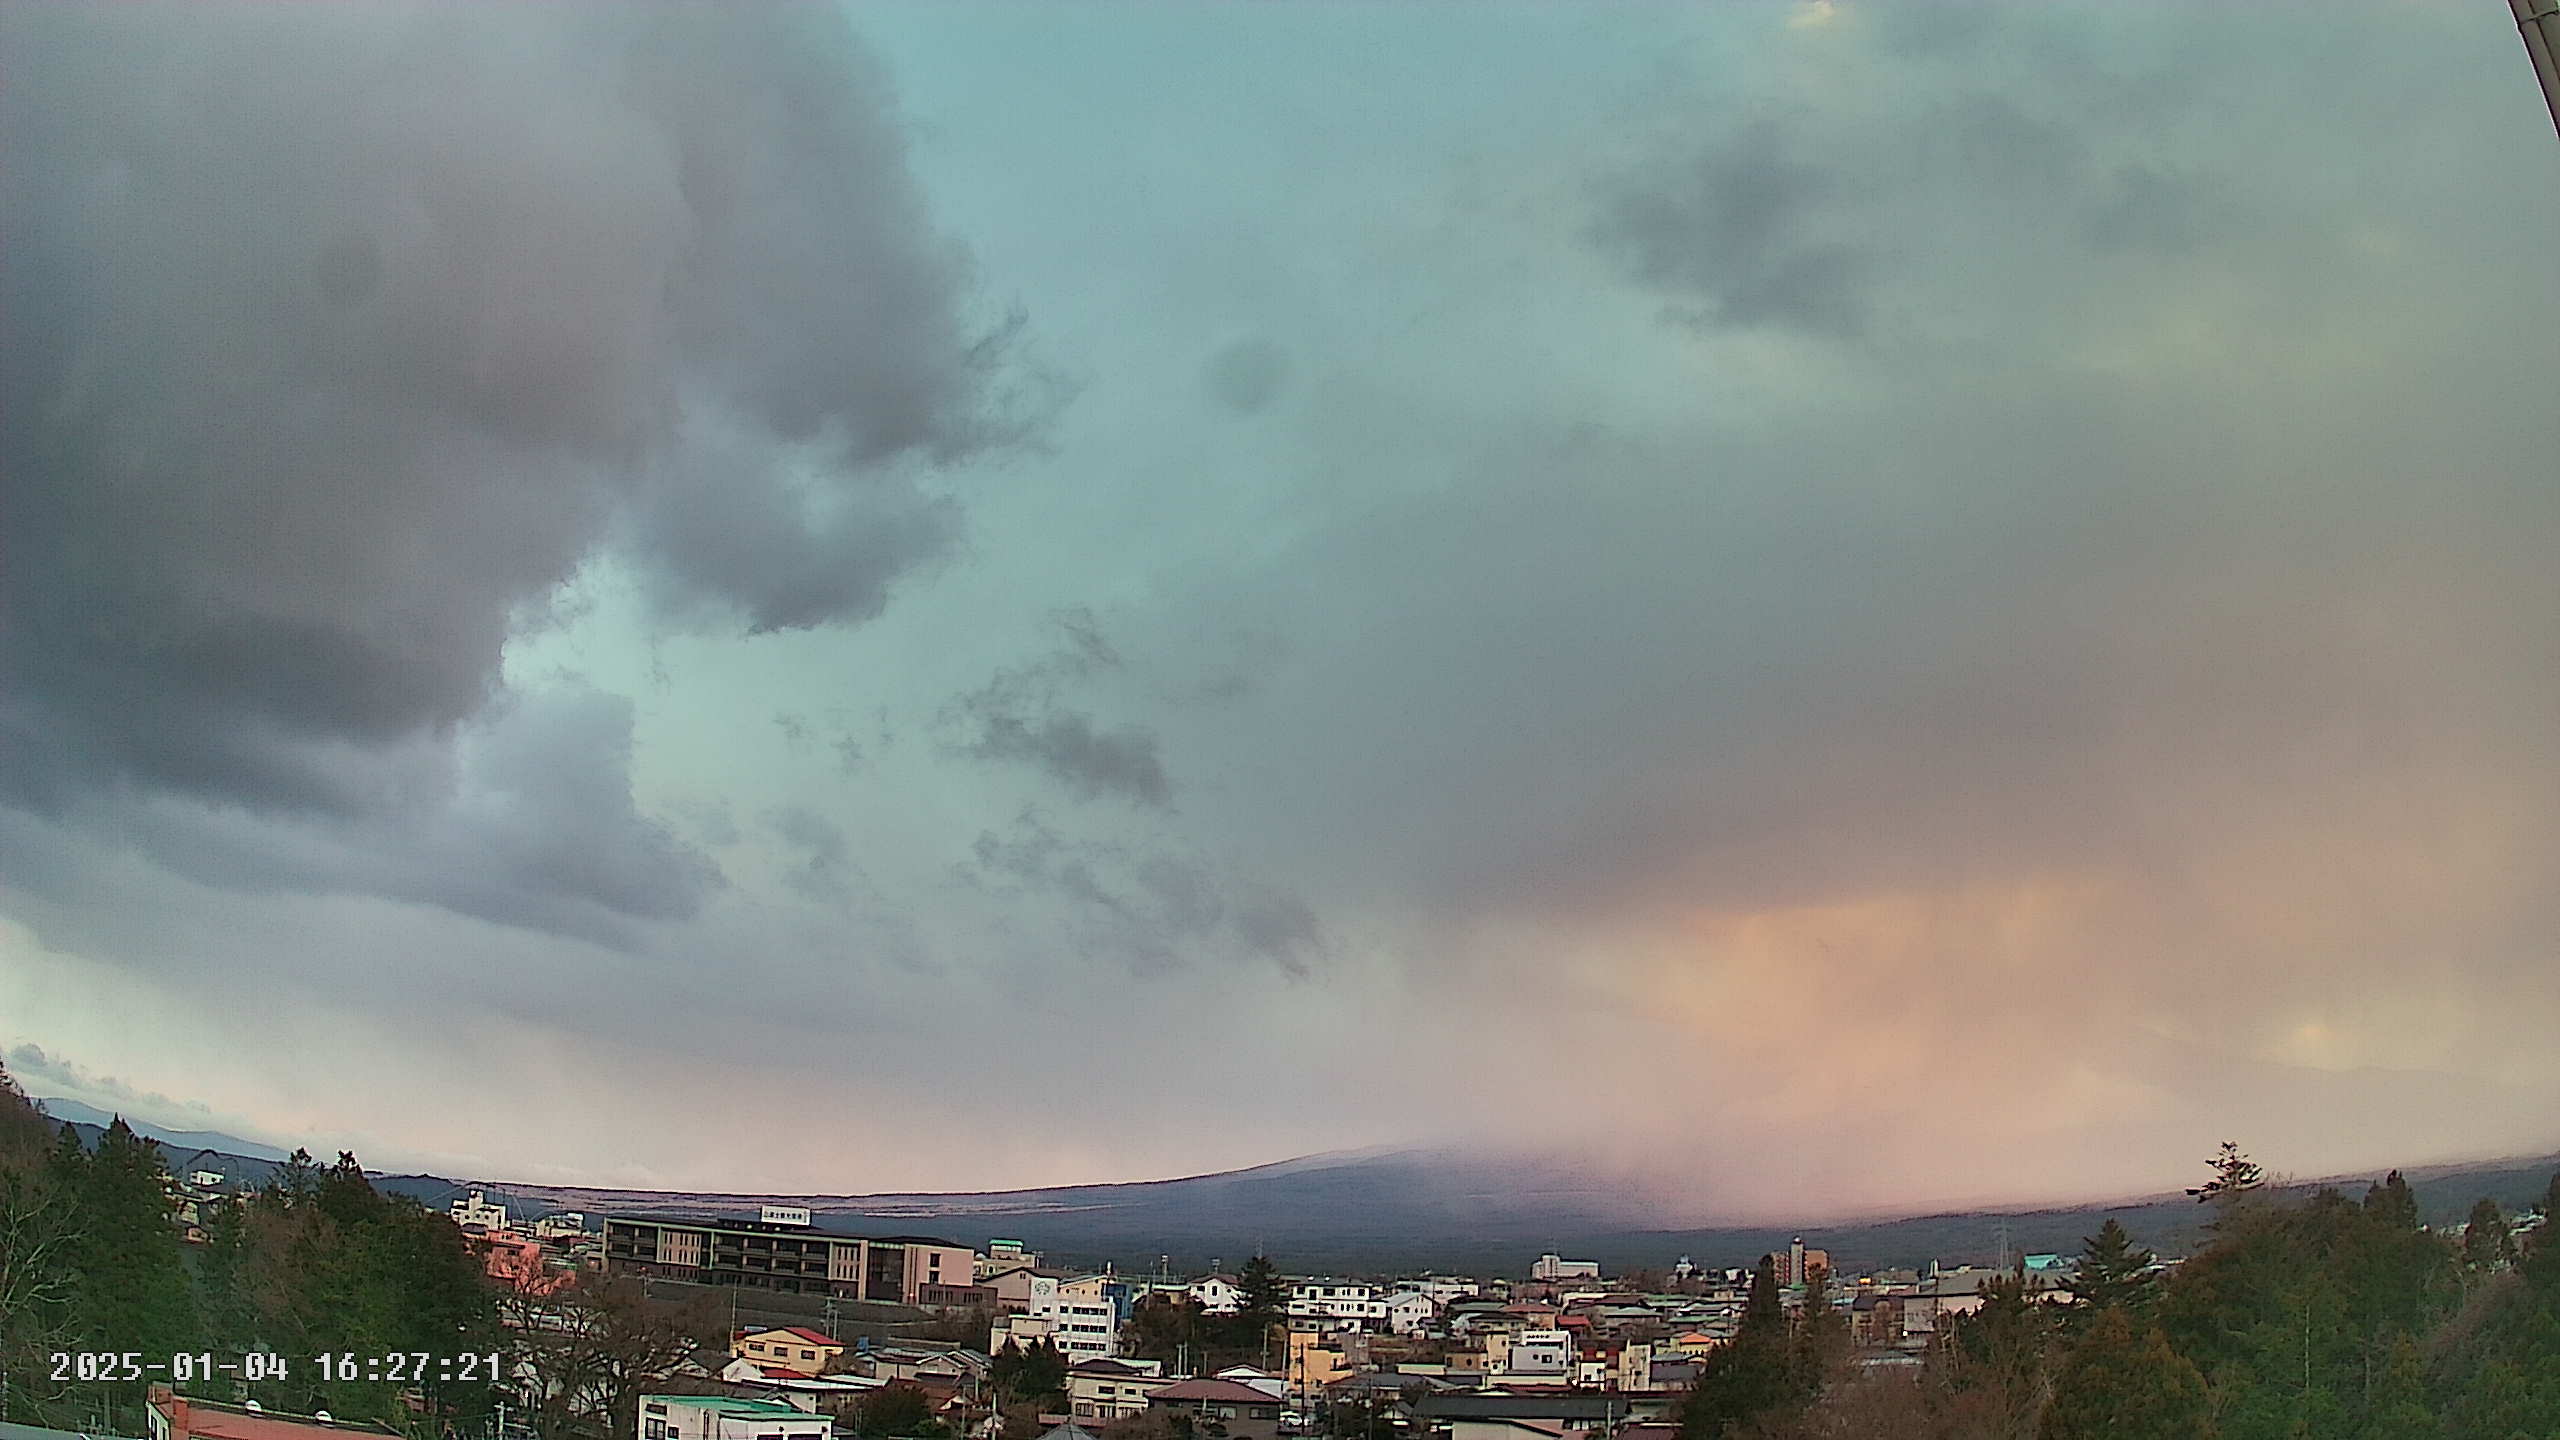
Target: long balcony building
(793, 1254)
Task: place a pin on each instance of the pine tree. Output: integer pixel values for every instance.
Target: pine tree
(2236, 1181)
(2393, 1203)
(1260, 1291)
(133, 1292)
(295, 1179)
(2114, 1273)
(1820, 1340)
(2121, 1383)
(1750, 1375)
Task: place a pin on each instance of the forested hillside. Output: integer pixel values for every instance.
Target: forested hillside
(2322, 1318)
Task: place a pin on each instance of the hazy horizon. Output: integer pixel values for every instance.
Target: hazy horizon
(1819, 605)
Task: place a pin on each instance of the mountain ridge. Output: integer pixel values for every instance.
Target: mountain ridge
(1381, 1210)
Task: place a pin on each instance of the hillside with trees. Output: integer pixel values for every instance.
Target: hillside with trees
(92, 1259)
(2324, 1316)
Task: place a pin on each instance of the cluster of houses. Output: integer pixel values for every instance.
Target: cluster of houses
(1565, 1353)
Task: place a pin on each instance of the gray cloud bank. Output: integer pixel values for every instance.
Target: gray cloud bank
(336, 339)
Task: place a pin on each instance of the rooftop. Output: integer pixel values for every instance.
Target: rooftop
(729, 1405)
(1221, 1392)
(739, 1225)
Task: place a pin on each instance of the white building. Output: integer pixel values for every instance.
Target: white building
(1539, 1355)
(1346, 1300)
(1410, 1312)
(1947, 1293)
(478, 1211)
(1552, 1266)
(713, 1417)
(1074, 1315)
(560, 1225)
(204, 1179)
(1217, 1295)
(1444, 1288)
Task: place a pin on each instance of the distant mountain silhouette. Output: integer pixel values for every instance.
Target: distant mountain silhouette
(1454, 1211)
(1392, 1210)
(175, 1142)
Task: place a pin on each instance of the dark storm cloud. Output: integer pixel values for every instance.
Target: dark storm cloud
(1020, 716)
(337, 338)
(1145, 907)
(527, 821)
(1737, 234)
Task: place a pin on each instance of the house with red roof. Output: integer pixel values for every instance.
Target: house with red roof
(791, 1347)
(1239, 1412)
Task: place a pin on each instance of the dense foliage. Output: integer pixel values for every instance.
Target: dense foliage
(2303, 1316)
(92, 1258)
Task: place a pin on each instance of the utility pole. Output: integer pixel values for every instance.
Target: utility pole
(2539, 22)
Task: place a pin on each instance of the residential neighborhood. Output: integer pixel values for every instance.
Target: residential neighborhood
(792, 1324)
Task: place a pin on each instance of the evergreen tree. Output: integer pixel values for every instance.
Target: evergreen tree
(2123, 1383)
(2392, 1202)
(2398, 1409)
(1820, 1339)
(1262, 1296)
(2235, 1183)
(1028, 1372)
(2114, 1273)
(133, 1291)
(1749, 1376)
(2486, 1243)
(295, 1179)
(2001, 1352)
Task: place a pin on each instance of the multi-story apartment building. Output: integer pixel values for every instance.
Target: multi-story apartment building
(1345, 1300)
(478, 1212)
(1552, 1266)
(784, 1251)
(1795, 1262)
(1079, 1316)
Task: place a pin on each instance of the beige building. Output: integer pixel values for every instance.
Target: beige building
(796, 1348)
(1108, 1390)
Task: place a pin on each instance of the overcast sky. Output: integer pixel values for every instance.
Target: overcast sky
(1836, 604)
